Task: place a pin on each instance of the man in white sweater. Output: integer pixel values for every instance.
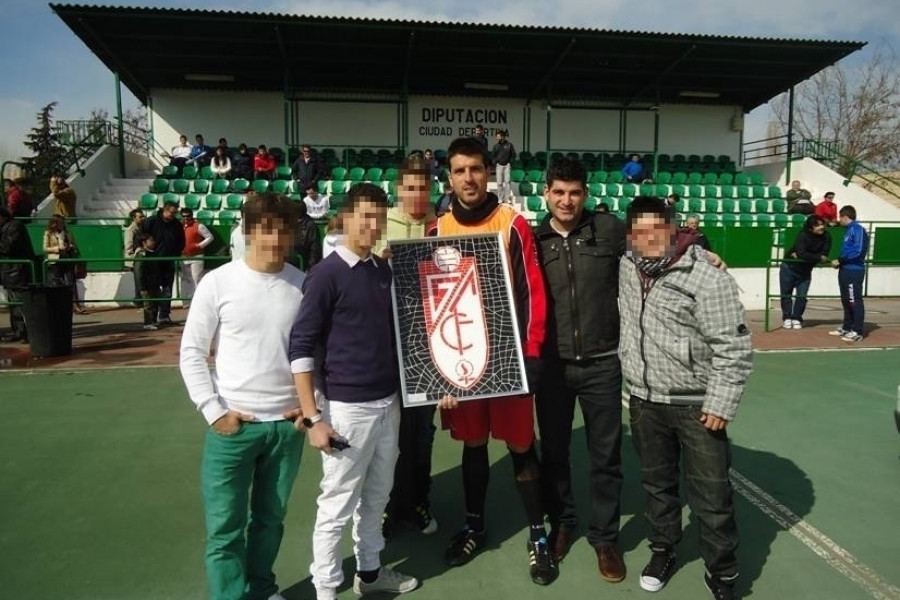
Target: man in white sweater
(252, 448)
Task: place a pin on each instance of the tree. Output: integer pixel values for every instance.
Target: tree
(858, 107)
(43, 142)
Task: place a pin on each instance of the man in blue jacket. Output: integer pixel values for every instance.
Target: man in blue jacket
(851, 265)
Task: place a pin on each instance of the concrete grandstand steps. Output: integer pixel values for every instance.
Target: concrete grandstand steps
(116, 197)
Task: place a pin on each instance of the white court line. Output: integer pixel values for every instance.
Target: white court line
(826, 549)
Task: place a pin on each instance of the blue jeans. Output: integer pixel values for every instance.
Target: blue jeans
(790, 280)
(662, 434)
(851, 285)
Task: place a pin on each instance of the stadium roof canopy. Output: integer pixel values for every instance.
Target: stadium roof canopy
(197, 49)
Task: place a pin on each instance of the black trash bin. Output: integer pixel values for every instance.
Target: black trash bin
(48, 319)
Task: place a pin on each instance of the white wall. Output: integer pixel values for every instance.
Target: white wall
(583, 129)
(250, 117)
(687, 129)
(435, 121)
(329, 124)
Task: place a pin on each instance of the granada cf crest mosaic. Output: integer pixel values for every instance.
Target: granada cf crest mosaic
(456, 323)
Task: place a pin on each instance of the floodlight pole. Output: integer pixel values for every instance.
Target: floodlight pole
(121, 126)
(790, 137)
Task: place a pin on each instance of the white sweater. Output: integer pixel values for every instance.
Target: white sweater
(248, 315)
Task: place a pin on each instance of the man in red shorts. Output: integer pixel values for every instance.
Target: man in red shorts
(510, 419)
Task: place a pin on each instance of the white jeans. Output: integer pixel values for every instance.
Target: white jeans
(191, 272)
(502, 175)
(355, 482)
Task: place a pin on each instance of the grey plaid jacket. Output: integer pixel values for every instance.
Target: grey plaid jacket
(686, 342)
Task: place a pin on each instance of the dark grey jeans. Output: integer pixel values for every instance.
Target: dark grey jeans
(663, 434)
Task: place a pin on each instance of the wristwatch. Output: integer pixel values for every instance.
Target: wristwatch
(309, 422)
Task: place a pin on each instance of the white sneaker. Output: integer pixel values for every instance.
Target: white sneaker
(389, 581)
(839, 332)
(797, 324)
(851, 336)
(150, 327)
(788, 324)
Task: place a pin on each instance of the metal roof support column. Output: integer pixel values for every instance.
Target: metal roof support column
(549, 127)
(286, 84)
(655, 142)
(121, 123)
(790, 137)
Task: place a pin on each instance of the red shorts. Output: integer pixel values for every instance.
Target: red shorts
(509, 418)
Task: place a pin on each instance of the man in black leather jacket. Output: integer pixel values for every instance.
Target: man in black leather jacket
(14, 244)
(579, 253)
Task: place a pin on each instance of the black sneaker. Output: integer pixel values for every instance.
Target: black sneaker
(463, 547)
(656, 574)
(422, 519)
(722, 588)
(387, 527)
(543, 568)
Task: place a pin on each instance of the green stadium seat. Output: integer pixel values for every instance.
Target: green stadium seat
(535, 176)
(212, 202)
(339, 173)
(526, 188)
(389, 174)
(200, 186)
(227, 217)
(661, 190)
(590, 203)
(756, 178)
(728, 191)
(694, 158)
(207, 172)
(678, 189)
(679, 177)
(723, 159)
(683, 205)
(647, 189)
(374, 174)
(760, 205)
(712, 220)
(763, 220)
(729, 219)
(190, 172)
(282, 172)
(170, 171)
(148, 201)
(728, 205)
(191, 201)
(220, 186)
(205, 217)
(725, 179)
(708, 159)
(613, 189)
(260, 186)
(540, 217)
(741, 179)
(758, 191)
(517, 175)
(664, 177)
(629, 190)
(696, 205)
(239, 185)
(234, 201)
(324, 186)
(337, 201)
(779, 206)
(774, 192)
(746, 206)
(170, 197)
(798, 220)
(595, 189)
(695, 177)
(599, 177)
(695, 191)
(746, 219)
(159, 186)
(710, 178)
(534, 203)
(781, 219)
(357, 174)
(744, 191)
(341, 187)
(712, 191)
(281, 186)
(615, 177)
(623, 204)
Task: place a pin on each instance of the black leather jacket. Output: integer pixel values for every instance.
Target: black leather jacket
(582, 274)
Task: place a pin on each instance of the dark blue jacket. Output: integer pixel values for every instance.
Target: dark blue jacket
(854, 248)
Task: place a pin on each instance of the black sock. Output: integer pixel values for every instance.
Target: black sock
(528, 481)
(476, 472)
(369, 576)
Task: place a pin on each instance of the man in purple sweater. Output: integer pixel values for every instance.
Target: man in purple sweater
(347, 308)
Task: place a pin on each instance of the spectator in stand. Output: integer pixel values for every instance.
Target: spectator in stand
(334, 237)
(693, 225)
(317, 205)
(14, 244)
(196, 237)
(828, 210)
(306, 170)
(810, 249)
(633, 170)
(263, 164)
(502, 156)
(434, 167)
(149, 279)
(18, 201)
(64, 198)
(307, 244)
(799, 200)
(851, 265)
(60, 243)
(132, 245)
(180, 154)
(443, 203)
(223, 143)
(201, 154)
(168, 234)
(242, 163)
(221, 164)
(672, 200)
(479, 135)
(603, 208)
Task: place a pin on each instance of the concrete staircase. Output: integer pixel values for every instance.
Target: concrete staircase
(116, 197)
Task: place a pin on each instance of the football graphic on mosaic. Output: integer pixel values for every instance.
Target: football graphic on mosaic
(456, 325)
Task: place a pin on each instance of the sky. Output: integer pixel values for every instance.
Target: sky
(43, 61)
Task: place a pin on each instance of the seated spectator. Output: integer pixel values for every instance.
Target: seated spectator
(306, 170)
(433, 165)
(633, 171)
(307, 244)
(672, 200)
(223, 143)
(317, 205)
(18, 201)
(603, 208)
(242, 163)
(180, 154)
(221, 164)
(811, 247)
(828, 210)
(201, 154)
(442, 205)
(799, 200)
(263, 163)
(692, 226)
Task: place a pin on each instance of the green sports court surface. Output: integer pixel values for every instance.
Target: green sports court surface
(99, 495)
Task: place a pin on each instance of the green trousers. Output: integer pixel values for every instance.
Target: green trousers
(255, 467)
